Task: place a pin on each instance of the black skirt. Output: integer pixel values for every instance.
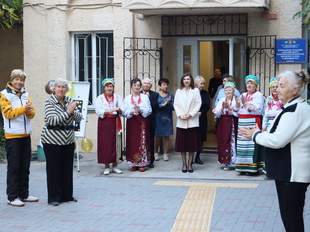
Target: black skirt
(187, 140)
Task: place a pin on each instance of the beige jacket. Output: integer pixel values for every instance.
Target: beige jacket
(187, 102)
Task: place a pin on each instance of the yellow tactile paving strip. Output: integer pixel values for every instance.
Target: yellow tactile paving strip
(196, 211)
(204, 184)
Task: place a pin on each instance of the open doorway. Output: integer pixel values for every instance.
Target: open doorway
(212, 55)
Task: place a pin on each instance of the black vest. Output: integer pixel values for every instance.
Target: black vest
(278, 161)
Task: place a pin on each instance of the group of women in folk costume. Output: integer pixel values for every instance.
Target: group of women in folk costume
(135, 108)
(247, 111)
(233, 113)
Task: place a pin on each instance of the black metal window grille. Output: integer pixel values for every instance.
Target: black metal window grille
(261, 59)
(142, 57)
(94, 60)
(201, 25)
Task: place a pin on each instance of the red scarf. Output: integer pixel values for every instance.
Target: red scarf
(133, 102)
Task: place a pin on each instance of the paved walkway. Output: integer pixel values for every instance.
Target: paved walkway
(163, 199)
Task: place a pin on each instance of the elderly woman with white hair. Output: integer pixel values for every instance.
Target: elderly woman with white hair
(203, 118)
(287, 149)
(226, 111)
(59, 143)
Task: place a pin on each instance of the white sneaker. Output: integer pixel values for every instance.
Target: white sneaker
(17, 203)
(107, 171)
(31, 199)
(166, 158)
(117, 170)
(156, 156)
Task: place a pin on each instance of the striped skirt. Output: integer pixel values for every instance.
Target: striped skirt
(247, 157)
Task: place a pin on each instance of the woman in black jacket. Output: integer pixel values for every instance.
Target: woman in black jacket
(203, 118)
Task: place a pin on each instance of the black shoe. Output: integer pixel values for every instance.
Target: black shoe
(151, 165)
(184, 169)
(190, 169)
(54, 203)
(252, 173)
(74, 199)
(198, 160)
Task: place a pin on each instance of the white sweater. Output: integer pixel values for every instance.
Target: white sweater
(187, 101)
(289, 140)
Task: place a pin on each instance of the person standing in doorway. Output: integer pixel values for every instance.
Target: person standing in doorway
(203, 118)
(187, 103)
(220, 91)
(215, 82)
(164, 122)
(146, 89)
(17, 111)
(287, 149)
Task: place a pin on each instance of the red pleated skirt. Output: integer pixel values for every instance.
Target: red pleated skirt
(106, 144)
(226, 125)
(187, 140)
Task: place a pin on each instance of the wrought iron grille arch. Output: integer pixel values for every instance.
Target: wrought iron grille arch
(261, 59)
(142, 57)
(202, 25)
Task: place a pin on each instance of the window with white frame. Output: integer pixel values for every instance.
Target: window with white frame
(93, 60)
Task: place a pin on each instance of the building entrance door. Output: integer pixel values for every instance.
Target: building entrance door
(201, 56)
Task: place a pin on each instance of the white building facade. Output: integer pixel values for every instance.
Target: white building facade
(88, 40)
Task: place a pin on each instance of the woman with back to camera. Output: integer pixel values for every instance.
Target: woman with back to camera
(287, 149)
(187, 104)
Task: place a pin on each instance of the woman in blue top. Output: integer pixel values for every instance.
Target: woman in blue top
(164, 123)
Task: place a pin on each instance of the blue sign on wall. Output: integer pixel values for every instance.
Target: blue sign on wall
(291, 51)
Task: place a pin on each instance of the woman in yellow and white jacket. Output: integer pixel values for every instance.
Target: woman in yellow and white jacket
(17, 111)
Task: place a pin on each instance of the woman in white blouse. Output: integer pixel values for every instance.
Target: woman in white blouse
(226, 111)
(136, 108)
(109, 124)
(187, 104)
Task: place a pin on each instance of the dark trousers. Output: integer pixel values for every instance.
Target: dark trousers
(59, 172)
(291, 198)
(152, 140)
(18, 152)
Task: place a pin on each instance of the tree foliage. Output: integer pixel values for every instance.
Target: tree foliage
(305, 12)
(11, 13)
